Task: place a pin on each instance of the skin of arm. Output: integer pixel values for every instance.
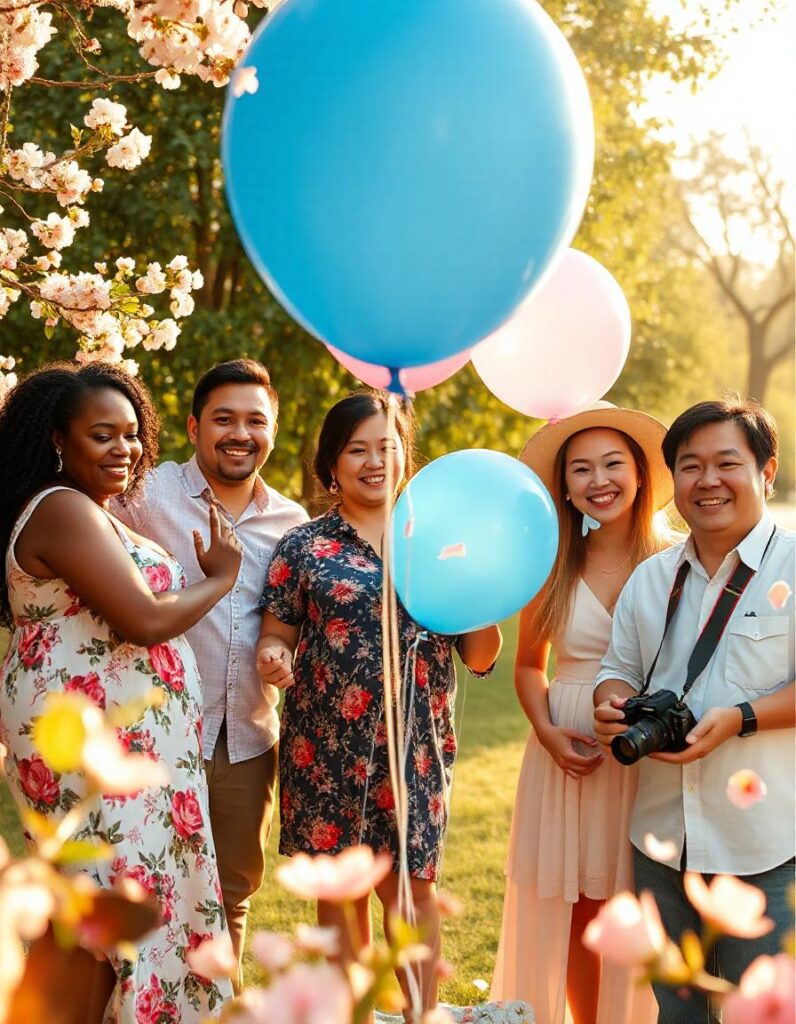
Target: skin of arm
(70, 537)
(530, 682)
(479, 649)
(275, 651)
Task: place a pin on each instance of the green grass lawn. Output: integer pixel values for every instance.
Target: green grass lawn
(492, 732)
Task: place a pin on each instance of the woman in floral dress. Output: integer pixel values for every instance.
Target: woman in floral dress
(322, 638)
(98, 610)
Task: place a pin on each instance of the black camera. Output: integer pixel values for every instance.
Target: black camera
(658, 721)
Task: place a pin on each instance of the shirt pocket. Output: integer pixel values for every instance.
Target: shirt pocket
(757, 652)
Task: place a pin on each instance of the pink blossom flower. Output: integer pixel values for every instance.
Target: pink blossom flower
(745, 788)
(213, 958)
(627, 931)
(766, 995)
(105, 113)
(730, 906)
(130, 150)
(272, 950)
(350, 875)
(306, 994)
(55, 232)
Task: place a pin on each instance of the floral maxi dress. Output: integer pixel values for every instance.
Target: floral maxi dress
(161, 837)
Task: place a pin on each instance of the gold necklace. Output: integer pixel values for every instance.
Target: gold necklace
(609, 572)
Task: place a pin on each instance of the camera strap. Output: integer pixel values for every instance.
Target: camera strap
(708, 639)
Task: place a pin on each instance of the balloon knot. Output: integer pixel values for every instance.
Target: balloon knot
(395, 385)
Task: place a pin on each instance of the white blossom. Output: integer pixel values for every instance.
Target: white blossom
(130, 150)
(106, 113)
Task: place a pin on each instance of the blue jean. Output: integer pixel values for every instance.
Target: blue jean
(730, 957)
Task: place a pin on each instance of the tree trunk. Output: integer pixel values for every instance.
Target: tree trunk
(759, 368)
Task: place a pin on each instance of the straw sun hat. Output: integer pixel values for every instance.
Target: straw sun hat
(541, 450)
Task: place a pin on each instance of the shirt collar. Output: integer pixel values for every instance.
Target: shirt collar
(198, 486)
(750, 549)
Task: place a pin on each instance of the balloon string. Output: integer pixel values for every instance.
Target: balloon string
(393, 713)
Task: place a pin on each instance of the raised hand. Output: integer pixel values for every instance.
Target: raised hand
(222, 557)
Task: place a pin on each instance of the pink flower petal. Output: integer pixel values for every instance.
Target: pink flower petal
(453, 551)
(664, 850)
(745, 788)
(778, 594)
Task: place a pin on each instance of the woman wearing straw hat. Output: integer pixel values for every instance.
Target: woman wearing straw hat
(569, 849)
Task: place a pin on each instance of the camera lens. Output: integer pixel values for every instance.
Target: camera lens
(641, 739)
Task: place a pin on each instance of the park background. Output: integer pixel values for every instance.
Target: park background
(694, 105)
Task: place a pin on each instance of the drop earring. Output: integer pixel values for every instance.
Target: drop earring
(334, 487)
(588, 524)
(59, 462)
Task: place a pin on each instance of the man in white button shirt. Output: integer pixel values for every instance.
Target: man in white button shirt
(723, 456)
(232, 426)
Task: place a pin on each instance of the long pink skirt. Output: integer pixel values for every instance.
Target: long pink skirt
(568, 838)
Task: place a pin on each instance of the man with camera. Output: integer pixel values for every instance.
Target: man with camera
(699, 682)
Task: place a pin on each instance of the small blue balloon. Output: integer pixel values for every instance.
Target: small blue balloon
(407, 168)
(474, 538)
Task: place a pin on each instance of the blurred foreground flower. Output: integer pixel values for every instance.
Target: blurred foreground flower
(728, 905)
(73, 734)
(627, 931)
(745, 788)
(350, 875)
(214, 958)
(767, 993)
(306, 994)
(323, 941)
(272, 951)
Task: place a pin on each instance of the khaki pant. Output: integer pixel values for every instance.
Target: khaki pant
(241, 805)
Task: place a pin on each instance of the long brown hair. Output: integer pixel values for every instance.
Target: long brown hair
(645, 540)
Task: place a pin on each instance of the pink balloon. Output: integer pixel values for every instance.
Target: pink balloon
(414, 379)
(564, 347)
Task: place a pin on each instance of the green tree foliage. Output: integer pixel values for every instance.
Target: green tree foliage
(175, 203)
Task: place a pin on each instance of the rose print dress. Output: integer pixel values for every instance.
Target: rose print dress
(161, 837)
(335, 789)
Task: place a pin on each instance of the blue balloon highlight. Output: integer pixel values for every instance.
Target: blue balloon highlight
(474, 538)
(407, 168)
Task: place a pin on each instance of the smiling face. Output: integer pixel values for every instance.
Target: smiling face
(234, 434)
(601, 475)
(101, 447)
(718, 486)
(361, 467)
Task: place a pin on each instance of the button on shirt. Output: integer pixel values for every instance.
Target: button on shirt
(174, 503)
(754, 657)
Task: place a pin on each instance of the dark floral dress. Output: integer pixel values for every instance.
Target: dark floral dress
(335, 789)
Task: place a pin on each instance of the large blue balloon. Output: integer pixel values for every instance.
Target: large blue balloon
(407, 168)
(474, 538)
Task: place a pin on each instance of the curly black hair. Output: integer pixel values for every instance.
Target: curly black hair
(48, 400)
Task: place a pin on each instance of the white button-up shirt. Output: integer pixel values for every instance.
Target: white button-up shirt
(754, 657)
(174, 503)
